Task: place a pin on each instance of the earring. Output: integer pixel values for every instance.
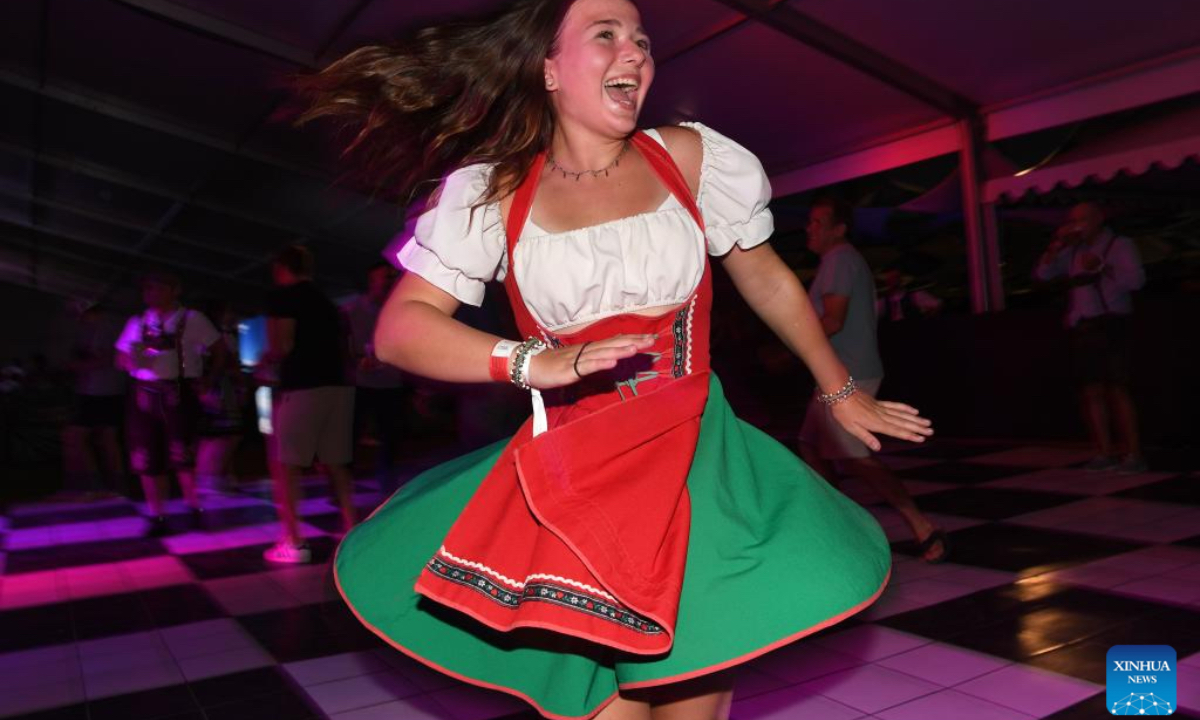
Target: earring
(549, 83)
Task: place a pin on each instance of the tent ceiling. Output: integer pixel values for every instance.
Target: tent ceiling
(143, 132)
(993, 51)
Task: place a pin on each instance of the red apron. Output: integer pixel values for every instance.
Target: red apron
(583, 529)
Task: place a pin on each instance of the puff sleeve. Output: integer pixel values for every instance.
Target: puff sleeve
(453, 250)
(734, 192)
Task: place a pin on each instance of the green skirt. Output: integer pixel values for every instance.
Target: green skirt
(774, 554)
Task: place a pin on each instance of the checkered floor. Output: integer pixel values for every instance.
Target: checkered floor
(1051, 566)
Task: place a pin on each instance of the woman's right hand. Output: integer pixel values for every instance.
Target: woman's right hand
(556, 368)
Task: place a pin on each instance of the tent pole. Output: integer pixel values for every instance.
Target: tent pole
(983, 270)
(991, 238)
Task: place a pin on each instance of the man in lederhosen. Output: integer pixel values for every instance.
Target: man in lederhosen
(163, 350)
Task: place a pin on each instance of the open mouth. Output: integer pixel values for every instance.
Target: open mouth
(622, 91)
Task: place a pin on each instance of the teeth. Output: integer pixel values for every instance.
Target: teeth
(622, 84)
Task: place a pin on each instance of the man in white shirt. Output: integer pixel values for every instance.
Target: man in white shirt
(163, 350)
(843, 296)
(1102, 269)
(378, 391)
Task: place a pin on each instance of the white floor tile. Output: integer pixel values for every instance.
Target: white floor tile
(1030, 690)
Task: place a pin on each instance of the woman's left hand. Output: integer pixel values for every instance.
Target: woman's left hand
(863, 415)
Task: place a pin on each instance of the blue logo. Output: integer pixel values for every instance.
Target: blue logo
(1141, 680)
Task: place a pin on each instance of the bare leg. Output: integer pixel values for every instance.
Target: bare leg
(708, 698)
(155, 489)
(710, 706)
(1095, 413)
(625, 709)
(187, 486)
(885, 484)
(343, 486)
(1126, 418)
(286, 487)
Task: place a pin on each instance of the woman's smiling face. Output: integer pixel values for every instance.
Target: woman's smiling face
(601, 69)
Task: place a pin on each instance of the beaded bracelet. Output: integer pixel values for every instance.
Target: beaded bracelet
(841, 395)
(521, 361)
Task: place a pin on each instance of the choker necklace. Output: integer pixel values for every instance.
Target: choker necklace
(594, 173)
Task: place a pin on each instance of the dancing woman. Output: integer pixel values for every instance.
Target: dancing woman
(634, 540)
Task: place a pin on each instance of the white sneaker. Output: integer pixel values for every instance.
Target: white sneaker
(285, 552)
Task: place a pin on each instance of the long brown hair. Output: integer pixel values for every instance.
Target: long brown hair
(450, 96)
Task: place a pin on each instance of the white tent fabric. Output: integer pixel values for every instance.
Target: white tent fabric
(1165, 142)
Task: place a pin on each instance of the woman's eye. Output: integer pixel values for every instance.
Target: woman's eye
(606, 34)
(644, 44)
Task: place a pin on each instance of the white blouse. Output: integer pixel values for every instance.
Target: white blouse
(642, 261)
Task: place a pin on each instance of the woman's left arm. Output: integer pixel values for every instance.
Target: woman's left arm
(775, 294)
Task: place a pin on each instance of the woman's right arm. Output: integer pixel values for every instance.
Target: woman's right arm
(417, 332)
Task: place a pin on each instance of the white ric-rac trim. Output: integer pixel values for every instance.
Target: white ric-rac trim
(520, 585)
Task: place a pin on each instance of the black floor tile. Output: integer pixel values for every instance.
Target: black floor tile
(351, 635)
(991, 503)
(309, 631)
(1193, 541)
(280, 706)
(1176, 459)
(961, 473)
(246, 560)
(34, 627)
(110, 615)
(147, 610)
(73, 514)
(1183, 489)
(329, 522)
(146, 705)
(1025, 619)
(943, 450)
(70, 712)
(1038, 631)
(240, 686)
(253, 695)
(86, 553)
(226, 518)
(180, 604)
(1177, 627)
(1030, 550)
(1085, 661)
(292, 634)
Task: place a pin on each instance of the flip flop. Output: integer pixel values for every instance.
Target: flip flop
(934, 538)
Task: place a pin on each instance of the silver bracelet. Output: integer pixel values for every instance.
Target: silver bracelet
(521, 360)
(841, 395)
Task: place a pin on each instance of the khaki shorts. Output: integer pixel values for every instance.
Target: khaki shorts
(827, 435)
(314, 422)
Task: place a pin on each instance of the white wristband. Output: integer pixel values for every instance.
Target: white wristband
(498, 366)
(505, 348)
